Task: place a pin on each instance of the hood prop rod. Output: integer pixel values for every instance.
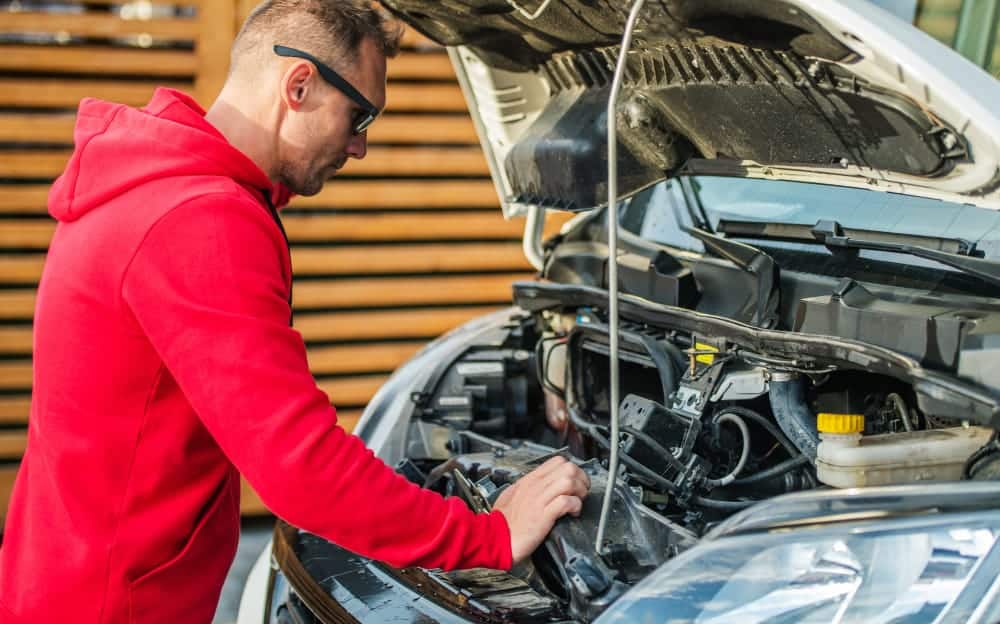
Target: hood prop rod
(616, 84)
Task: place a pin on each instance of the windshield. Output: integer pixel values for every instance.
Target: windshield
(657, 213)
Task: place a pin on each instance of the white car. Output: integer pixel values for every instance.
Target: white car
(806, 332)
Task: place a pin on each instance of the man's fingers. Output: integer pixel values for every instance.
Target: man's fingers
(564, 485)
(549, 467)
(562, 505)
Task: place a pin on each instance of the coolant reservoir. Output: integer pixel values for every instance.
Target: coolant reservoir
(845, 458)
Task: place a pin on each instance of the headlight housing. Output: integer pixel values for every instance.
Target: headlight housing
(942, 567)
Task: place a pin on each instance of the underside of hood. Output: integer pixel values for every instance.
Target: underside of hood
(833, 92)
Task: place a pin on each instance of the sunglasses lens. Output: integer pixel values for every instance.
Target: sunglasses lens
(361, 121)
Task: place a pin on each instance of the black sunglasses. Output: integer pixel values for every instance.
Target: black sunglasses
(362, 118)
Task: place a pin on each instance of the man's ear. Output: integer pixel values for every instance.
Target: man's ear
(297, 83)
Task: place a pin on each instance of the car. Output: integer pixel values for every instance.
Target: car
(804, 330)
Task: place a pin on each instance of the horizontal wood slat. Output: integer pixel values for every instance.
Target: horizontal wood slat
(400, 227)
(391, 128)
(341, 194)
(14, 409)
(373, 292)
(98, 25)
(384, 324)
(97, 60)
(350, 293)
(7, 476)
(432, 258)
(365, 195)
(351, 391)
(36, 233)
(67, 93)
(427, 258)
(15, 340)
(383, 161)
(333, 360)
(25, 269)
(421, 66)
(329, 326)
(12, 442)
(364, 358)
(15, 375)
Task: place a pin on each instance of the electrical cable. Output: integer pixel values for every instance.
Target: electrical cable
(744, 454)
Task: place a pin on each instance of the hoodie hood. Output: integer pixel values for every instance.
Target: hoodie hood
(836, 92)
(118, 148)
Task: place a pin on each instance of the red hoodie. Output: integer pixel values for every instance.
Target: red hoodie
(164, 366)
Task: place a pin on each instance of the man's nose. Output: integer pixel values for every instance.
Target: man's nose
(358, 146)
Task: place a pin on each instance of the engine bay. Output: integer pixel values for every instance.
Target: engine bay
(708, 427)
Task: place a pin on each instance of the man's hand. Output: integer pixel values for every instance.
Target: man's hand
(534, 503)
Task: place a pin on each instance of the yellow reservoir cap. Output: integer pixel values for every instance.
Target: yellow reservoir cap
(840, 423)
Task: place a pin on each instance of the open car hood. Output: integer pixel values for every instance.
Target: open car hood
(836, 92)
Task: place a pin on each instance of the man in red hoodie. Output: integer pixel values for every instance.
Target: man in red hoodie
(164, 364)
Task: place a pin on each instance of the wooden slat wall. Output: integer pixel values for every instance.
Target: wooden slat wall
(404, 246)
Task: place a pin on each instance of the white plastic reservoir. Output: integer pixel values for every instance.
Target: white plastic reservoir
(852, 460)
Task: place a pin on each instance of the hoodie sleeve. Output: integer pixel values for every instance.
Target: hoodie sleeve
(208, 287)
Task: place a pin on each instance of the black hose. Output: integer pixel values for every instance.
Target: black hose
(793, 415)
(774, 471)
(591, 429)
(661, 359)
(765, 424)
(656, 446)
(722, 505)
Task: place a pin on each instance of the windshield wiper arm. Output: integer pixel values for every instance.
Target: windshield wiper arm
(956, 253)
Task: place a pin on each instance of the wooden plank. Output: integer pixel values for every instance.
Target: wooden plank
(391, 128)
(7, 476)
(31, 233)
(36, 233)
(378, 324)
(15, 340)
(424, 97)
(15, 375)
(67, 93)
(431, 258)
(12, 443)
(351, 391)
(154, 3)
(362, 358)
(328, 326)
(97, 25)
(363, 227)
(100, 60)
(351, 293)
(216, 31)
(334, 360)
(14, 409)
(414, 291)
(381, 161)
(17, 304)
(441, 129)
(365, 194)
(421, 66)
(21, 269)
(343, 194)
(37, 128)
(24, 198)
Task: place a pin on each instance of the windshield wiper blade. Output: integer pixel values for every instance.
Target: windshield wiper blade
(956, 253)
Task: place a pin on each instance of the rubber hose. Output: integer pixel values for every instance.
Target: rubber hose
(793, 415)
(774, 471)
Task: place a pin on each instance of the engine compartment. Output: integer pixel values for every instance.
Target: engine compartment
(709, 427)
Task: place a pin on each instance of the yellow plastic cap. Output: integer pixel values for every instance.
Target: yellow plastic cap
(840, 423)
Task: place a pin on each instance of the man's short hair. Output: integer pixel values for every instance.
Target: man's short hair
(331, 30)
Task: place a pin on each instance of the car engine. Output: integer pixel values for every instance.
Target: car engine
(709, 427)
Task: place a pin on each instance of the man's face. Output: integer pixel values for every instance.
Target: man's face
(317, 138)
